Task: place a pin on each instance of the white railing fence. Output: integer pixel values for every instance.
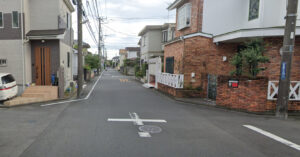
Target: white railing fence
(172, 80)
(294, 90)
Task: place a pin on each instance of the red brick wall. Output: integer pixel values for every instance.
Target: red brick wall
(196, 18)
(251, 95)
(201, 55)
(175, 50)
(273, 46)
(179, 93)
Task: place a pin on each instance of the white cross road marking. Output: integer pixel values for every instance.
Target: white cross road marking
(134, 120)
(274, 137)
(137, 121)
(144, 134)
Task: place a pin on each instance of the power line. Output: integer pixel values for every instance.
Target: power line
(119, 31)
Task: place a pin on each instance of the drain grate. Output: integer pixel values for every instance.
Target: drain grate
(150, 129)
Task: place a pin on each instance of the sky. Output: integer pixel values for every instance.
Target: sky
(122, 21)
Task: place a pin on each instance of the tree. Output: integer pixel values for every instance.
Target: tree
(249, 59)
(92, 61)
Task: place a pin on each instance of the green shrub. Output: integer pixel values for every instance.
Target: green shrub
(248, 60)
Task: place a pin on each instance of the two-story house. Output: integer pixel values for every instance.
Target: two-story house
(133, 52)
(36, 35)
(153, 38)
(210, 32)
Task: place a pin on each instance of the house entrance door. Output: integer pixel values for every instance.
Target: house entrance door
(42, 66)
(212, 87)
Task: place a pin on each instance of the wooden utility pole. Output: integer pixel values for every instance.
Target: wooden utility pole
(286, 60)
(80, 58)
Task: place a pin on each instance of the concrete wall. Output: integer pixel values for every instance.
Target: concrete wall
(221, 16)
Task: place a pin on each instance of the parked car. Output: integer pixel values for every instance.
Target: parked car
(8, 86)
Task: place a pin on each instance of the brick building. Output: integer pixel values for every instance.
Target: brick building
(208, 35)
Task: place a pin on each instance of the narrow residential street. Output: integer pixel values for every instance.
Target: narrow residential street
(109, 123)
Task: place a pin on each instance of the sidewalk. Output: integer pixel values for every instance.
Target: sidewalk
(31, 101)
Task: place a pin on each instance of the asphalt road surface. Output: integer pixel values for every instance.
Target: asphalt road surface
(121, 118)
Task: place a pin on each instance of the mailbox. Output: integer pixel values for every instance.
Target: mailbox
(233, 84)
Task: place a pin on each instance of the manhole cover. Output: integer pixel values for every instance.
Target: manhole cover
(150, 128)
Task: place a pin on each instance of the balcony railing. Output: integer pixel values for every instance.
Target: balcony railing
(172, 80)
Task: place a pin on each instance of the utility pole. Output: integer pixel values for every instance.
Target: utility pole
(286, 60)
(99, 46)
(80, 58)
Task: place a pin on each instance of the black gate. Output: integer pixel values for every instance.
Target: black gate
(212, 87)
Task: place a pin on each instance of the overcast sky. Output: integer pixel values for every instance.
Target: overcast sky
(123, 20)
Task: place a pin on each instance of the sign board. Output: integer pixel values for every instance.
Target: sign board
(233, 84)
(283, 71)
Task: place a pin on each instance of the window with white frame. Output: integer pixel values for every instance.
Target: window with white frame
(253, 9)
(3, 62)
(1, 20)
(165, 36)
(184, 16)
(15, 19)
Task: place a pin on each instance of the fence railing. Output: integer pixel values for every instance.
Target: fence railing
(294, 90)
(172, 80)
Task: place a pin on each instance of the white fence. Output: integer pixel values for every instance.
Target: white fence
(294, 90)
(172, 80)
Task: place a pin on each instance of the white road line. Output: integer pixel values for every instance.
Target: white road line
(144, 134)
(134, 120)
(88, 96)
(274, 137)
(76, 100)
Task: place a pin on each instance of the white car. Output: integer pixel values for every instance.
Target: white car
(8, 86)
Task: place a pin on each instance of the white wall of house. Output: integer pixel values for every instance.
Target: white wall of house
(221, 16)
(44, 14)
(144, 46)
(9, 5)
(132, 54)
(12, 54)
(64, 50)
(122, 58)
(74, 63)
(153, 44)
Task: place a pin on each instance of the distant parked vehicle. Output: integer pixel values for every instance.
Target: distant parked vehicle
(8, 86)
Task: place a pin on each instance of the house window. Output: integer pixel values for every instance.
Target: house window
(144, 40)
(173, 33)
(69, 59)
(184, 16)
(68, 20)
(15, 19)
(170, 65)
(1, 20)
(253, 9)
(3, 62)
(165, 36)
